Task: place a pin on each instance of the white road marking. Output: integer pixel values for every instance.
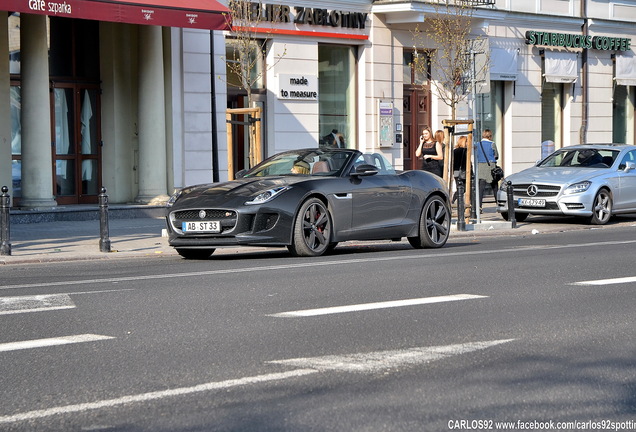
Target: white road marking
(607, 281)
(376, 305)
(310, 263)
(383, 360)
(62, 340)
(145, 397)
(35, 303)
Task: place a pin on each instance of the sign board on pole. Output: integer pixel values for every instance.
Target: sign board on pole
(385, 124)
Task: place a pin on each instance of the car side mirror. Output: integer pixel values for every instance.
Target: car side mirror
(629, 166)
(365, 170)
(240, 174)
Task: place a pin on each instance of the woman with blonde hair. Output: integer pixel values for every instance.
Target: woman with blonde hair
(430, 151)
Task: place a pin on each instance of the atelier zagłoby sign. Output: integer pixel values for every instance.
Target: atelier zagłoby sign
(603, 43)
(306, 15)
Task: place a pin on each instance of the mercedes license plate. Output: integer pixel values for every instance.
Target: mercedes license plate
(524, 202)
(208, 226)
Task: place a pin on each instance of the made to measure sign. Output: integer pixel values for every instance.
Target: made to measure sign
(299, 87)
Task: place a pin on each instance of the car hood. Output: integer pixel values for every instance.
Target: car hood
(245, 188)
(555, 175)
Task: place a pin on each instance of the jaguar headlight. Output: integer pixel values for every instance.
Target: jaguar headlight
(175, 196)
(268, 195)
(577, 188)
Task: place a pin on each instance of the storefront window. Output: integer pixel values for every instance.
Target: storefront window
(551, 113)
(16, 140)
(492, 112)
(14, 43)
(253, 60)
(623, 115)
(336, 89)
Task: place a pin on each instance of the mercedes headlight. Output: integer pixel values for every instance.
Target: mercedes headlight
(267, 195)
(577, 188)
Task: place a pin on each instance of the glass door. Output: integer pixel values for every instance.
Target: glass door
(77, 143)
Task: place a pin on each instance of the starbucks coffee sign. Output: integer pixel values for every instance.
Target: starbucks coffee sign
(567, 40)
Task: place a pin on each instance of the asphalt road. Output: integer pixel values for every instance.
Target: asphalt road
(371, 338)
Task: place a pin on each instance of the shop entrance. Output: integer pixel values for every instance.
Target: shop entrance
(77, 143)
(417, 114)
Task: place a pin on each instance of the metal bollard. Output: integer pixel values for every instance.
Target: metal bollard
(104, 241)
(461, 208)
(511, 204)
(5, 222)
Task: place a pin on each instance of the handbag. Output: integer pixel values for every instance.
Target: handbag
(496, 171)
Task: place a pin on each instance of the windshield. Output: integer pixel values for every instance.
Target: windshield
(581, 157)
(303, 162)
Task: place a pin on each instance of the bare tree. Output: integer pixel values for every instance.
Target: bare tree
(247, 51)
(449, 29)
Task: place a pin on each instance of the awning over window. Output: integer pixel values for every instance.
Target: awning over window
(503, 64)
(201, 14)
(561, 67)
(625, 70)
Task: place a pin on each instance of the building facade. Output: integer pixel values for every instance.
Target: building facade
(88, 98)
(141, 109)
(562, 72)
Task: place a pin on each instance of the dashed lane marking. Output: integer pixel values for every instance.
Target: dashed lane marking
(35, 303)
(42, 302)
(49, 342)
(376, 305)
(607, 281)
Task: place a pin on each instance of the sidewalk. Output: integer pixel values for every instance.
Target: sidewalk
(142, 237)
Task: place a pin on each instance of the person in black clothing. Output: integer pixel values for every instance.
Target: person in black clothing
(430, 152)
(333, 140)
(459, 163)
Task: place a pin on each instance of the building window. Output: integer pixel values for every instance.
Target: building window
(337, 93)
(623, 115)
(551, 113)
(416, 67)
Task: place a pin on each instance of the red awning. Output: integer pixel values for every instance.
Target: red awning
(200, 14)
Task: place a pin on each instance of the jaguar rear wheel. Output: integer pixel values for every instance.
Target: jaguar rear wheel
(434, 226)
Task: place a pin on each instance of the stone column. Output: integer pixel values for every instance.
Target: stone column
(37, 160)
(152, 121)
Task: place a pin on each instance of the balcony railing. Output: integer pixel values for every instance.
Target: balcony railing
(478, 2)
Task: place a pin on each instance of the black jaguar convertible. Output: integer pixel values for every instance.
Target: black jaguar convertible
(309, 200)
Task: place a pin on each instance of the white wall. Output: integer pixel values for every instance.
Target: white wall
(291, 124)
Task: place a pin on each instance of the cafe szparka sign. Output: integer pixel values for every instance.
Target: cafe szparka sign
(306, 15)
(567, 40)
